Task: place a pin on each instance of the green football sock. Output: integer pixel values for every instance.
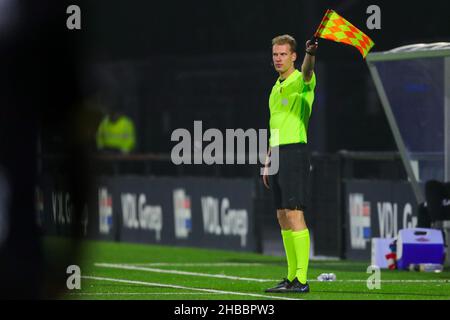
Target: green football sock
(290, 253)
(301, 245)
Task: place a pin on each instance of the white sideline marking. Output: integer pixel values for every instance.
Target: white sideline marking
(390, 280)
(222, 276)
(137, 293)
(185, 273)
(196, 264)
(152, 284)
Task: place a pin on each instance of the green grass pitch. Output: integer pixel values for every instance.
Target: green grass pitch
(118, 271)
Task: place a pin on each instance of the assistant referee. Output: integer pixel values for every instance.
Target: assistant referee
(290, 106)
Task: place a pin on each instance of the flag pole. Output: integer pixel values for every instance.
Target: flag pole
(316, 35)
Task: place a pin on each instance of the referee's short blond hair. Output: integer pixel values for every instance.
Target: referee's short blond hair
(285, 39)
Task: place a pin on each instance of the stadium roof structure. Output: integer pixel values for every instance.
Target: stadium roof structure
(413, 84)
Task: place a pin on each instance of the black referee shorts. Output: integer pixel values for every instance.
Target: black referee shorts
(290, 186)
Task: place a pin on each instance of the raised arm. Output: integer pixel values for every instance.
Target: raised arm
(309, 60)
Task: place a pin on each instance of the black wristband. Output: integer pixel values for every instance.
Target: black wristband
(311, 54)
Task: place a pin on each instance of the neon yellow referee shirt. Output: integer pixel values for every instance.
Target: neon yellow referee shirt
(290, 106)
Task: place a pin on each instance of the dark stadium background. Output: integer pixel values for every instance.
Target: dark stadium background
(184, 61)
(209, 36)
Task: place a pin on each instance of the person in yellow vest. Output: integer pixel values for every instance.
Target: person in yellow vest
(116, 133)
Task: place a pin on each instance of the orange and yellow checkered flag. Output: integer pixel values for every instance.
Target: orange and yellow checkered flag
(334, 27)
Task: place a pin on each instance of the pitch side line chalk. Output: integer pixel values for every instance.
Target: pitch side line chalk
(222, 276)
(196, 264)
(393, 280)
(138, 293)
(152, 284)
(184, 273)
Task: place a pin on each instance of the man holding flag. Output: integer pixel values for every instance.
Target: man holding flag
(290, 105)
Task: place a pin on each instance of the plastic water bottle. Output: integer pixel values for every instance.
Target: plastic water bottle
(426, 267)
(327, 277)
(322, 277)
